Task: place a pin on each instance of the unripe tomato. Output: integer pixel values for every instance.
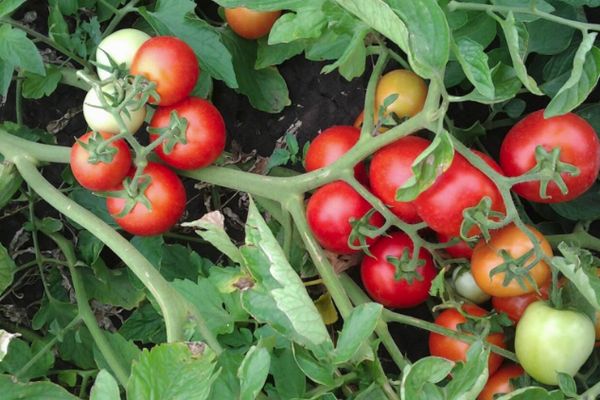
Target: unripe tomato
(250, 24)
(171, 64)
(391, 168)
(329, 212)
(410, 88)
(205, 133)
(499, 382)
(167, 198)
(466, 286)
(458, 250)
(330, 145)
(578, 144)
(100, 176)
(456, 350)
(548, 341)
(101, 120)
(487, 256)
(121, 46)
(380, 279)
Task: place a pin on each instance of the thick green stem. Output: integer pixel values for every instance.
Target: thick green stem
(369, 108)
(341, 381)
(592, 393)
(19, 99)
(580, 237)
(119, 15)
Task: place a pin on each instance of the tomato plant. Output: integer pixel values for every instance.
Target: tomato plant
(204, 134)
(250, 24)
(389, 279)
(499, 382)
(120, 48)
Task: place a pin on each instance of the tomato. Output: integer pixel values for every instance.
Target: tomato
(380, 279)
(548, 341)
(456, 350)
(171, 64)
(101, 120)
(410, 88)
(391, 168)
(121, 46)
(458, 250)
(466, 286)
(358, 122)
(250, 24)
(100, 176)
(205, 133)
(167, 198)
(499, 382)
(578, 144)
(330, 145)
(329, 212)
(461, 186)
(487, 256)
(515, 306)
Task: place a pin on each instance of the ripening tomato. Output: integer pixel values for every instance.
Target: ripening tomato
(458, 250)
(166, 196)
(330, 145)
(410, 88)
(329, 212)
(250, 24)
(101, 120)
(499, 382)
(389, 285)
(456, 350)
(513, 241)
(121, 46)
(461, 186)
(391, 168)
(205, 134)
(358, 122)
(578, 144)
(515, 306)
(100, 176)
(171, 64)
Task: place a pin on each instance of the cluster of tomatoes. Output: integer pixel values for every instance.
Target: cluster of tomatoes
(568, 141)
(150, 199)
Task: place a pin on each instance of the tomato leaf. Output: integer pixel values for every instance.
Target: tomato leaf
(533, 393)
(352, 63)
(5, 339)
(506, 85)
(479, 27)
(17, 48)
(263, 5)
(584, 208)
(253, 372)
(105, 387)
(474, 62)
(307, 23)
(144, 325)
(125, 350)
(10, 182)
(13, 390)
(19, 354)
(319, 371)
(269, 55)
(6, 73)
(37, 86)
(111, 286)
(357, 328)
(567, 384)
(419, 379)
(8, 6)
(290, 381)
(469, 378)
(541, 29)
(211, 228)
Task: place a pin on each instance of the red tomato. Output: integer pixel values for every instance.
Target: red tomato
(330, 145)
(205, 134)
(100, 176)
(250, 24)
(499, 383)
(456, 350)
(167, 198)
(391, 168)
(459, 250)
(515, 306)
(171, 64)
(329, 211)
(461, 186)
(578, 144)
(379, 276)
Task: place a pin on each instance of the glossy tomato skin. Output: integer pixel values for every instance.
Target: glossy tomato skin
(461, 186)
(548, 341)
(378, 275)
(171, 64)
(499, 382)
(99, 119)
(167, 196)
(458, 250)
(329, 211)
(100, 176)
(250, 24)
(391, 168)
(515, 306)
(456, 350)
(205, 134)
(410, 88)
(466, 286)
(578, 143)
(330, 145)
(486, 257)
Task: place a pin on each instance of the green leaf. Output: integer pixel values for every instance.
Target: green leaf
(307, 23)
(269, 55)
(211, 228)
(19, 353)
(227, 384)
(506, 85)
(540, 5)
(89, 247)
(541, 29)
(474, 62)
(7, 269)
(357, 328)
(429, 39)
(5, 339)
(430, 164)
(577, 266)
(584, 208)
(37, 86)
(480, 27)
(111, 286)
(17, 48)
(253, 372)
(8, 6)
(290, 381)
(95, 204)
(469, 378)
(279, 296)
(567, 384)
(12, 390)
(533, 393)
(329, 46)
(263, 5)
(419, 379)
(6, 73)
(174, 371)
(352, 63)
(318, 371)
(372, 392)
(58, 30)
(126, 352)
(105, 387)
(144, 325)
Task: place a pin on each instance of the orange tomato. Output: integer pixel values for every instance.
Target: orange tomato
(499, 382)
(410, 88)
(250, 24)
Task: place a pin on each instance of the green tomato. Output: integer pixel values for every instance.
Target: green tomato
(101, 120)
(465, 285)
(121, 46)
(548, 341)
